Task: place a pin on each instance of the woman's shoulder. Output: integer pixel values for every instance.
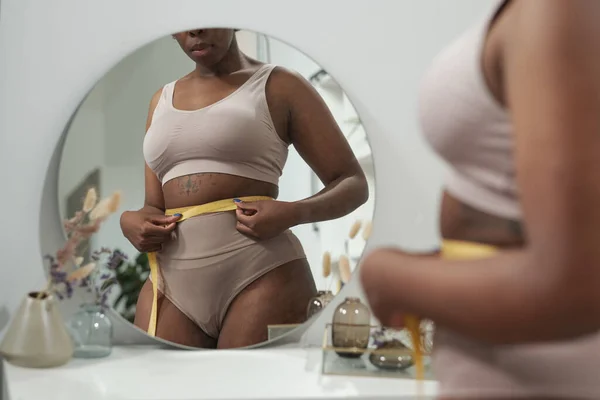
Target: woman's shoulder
(156, 97)
(287, 81)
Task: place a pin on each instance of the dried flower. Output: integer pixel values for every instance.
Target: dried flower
(344, 267)
(106, 207)
(68, 251)
(81, 273)
(53, 264)
(366, 234)
(326, 264)
(379, 336)
(58, 276)
(115, 202)
(82, 226)
(108, 284)
(98, 253)
(68, 289)
(72, 223)
(91, 198)
(354, 229)
(104, 300)
(115, 260)
(87, 230)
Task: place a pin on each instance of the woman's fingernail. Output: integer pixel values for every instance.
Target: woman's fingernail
(237, 200)
(177, 215)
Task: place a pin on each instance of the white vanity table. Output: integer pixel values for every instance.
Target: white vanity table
(145, 372)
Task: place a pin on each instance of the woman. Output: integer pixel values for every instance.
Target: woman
(222, 132)
(514, 107)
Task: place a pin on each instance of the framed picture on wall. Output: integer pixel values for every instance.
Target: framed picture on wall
(75, 202)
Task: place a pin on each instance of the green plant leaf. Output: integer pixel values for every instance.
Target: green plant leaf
(130, 302)
(108, 283)
(131, 277)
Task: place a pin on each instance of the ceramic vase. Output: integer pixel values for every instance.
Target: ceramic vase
(92, 332)
(319, 302)
(351, 328)
(37, 337)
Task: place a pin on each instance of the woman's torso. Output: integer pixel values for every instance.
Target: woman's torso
(483, 130)
(242, 111)
(464, 118)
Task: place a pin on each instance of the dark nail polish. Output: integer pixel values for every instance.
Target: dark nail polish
(177, 215)
(237, 200)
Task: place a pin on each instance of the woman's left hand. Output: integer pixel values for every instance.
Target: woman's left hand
(264, 219)
(378, 275)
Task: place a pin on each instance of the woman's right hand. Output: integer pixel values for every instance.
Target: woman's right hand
(147, 231)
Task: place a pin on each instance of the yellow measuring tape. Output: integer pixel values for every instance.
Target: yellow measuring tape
(188, 212)
(451, 250)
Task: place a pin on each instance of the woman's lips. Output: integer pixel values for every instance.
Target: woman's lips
(199, 51)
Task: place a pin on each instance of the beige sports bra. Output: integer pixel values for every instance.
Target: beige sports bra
(464, 123)
(234, 136)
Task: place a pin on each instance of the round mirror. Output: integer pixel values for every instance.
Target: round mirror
(246, 188)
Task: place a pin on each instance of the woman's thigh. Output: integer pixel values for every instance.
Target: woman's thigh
(278, 297)
(172, 324)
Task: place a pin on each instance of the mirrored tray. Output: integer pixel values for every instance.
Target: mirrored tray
(389, 362)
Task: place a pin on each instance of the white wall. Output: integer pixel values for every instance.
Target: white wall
(378, 59)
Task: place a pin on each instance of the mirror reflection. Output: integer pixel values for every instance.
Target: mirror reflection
(246, 185)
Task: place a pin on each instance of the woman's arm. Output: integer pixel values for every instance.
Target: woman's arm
(550, 290)
(318, 139)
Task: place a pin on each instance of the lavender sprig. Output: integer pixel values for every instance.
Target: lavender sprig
(102, 281)
(99, 282)
(115, 259)
(379, 336)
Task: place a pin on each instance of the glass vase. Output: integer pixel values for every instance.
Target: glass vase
(319, 302)
(351, 328)
(92, 332)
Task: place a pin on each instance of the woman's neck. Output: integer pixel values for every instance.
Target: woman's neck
(232, 62)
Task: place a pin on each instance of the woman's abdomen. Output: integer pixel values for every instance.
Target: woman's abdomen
(466, 367)
(459, 221)
(192, 190)
(212, 239)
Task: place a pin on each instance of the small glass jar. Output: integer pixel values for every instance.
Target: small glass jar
(351, 328)
(92, 332)
(319, 302)
(392, 355)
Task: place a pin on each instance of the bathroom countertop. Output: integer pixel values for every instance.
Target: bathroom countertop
(146, 372)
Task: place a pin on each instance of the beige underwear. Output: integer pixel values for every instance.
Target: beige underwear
(208, 263)
(561, 370)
